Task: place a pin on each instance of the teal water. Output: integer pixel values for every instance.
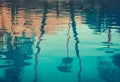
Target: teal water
(59, 41)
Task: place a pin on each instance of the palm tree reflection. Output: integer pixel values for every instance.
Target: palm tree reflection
(15, 58)
(108, 70)
(72, 16)
(67, 61)
(116, 59)
(19, 50)
(40, 39)
(66, 67)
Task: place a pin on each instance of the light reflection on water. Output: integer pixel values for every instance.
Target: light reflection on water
(63, 41)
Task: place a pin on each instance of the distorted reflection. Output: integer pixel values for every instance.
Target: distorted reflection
(93, 30)
(16, 56)
(43, 23)
(108, 71)
(66, 67)
(14, 49)
(116, 60)
(68, 60)
(75, 34)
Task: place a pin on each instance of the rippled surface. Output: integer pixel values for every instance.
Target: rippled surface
(59, 41)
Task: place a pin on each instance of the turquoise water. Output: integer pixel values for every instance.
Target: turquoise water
(59, 41)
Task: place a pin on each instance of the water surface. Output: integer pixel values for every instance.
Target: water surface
(59, 41)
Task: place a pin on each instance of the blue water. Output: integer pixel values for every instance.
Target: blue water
(59, 41)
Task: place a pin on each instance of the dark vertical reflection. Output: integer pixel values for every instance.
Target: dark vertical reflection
(73, 24)
(42, 31)
(57, 8)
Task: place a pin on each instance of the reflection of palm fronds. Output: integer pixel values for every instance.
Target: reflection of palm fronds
(108, 71)
(3, 42)
(116, 59)
(16, 58)
(43, 23)
(75, 34)
(67, 60)
(13, 74)
(66, 65)
(64, 68)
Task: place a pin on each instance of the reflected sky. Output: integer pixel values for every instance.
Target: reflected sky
(59, 40)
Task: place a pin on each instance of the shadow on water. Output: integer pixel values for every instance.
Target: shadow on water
(42, 31)
(15, 50)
